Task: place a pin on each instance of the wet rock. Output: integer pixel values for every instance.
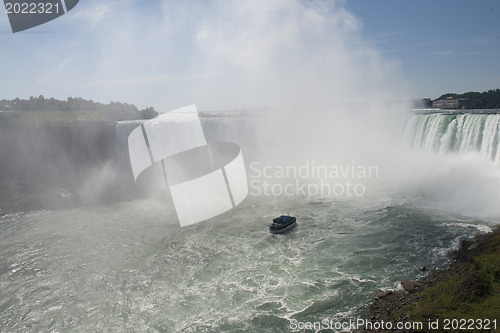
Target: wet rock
(411, 286)
(384, 294)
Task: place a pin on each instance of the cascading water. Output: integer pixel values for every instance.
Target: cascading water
(448, 133)
(129, 266)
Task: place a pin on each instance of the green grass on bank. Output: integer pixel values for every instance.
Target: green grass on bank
(62, 118)
(469, 290)
(42, 118)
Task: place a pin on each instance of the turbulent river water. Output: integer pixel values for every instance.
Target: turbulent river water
(130, 267)
(125, 267)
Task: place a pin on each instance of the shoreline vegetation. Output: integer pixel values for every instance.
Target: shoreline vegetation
(49, 111)
(487, 100)
(466, 294)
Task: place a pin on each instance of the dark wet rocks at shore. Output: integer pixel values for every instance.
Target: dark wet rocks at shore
(468, 289)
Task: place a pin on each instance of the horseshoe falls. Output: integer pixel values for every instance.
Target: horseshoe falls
(129, 266)
(455, 133)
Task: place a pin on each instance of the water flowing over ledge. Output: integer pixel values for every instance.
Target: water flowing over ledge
(445, 133)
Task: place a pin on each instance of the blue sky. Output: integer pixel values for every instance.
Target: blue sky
(444, 46)
(232, 54)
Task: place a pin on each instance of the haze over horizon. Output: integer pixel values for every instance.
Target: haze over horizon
(234, 54)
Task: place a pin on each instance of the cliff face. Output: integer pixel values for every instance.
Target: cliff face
(53, 153)
(58, 166)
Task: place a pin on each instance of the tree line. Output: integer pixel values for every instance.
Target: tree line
(123, 110)
(470, 100)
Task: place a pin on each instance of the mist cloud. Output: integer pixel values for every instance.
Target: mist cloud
(229, 54)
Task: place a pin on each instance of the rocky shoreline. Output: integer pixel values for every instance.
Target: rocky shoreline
(465, 295)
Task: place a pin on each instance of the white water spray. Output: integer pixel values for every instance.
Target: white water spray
(455, 161)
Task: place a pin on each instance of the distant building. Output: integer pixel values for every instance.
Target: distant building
(449, 103)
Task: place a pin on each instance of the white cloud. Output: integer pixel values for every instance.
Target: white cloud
(219, 54)
(92, 13)
(54, 73)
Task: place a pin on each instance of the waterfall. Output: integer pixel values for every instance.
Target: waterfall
(454, 133)
(237, 127)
